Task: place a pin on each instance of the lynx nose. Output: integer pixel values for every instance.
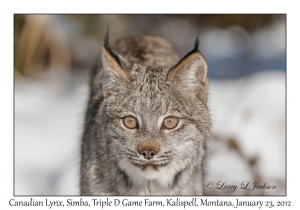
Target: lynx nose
(148, 153)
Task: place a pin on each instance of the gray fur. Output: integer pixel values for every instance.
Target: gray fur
(146, 80)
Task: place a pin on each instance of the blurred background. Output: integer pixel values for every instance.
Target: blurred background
(246, 57)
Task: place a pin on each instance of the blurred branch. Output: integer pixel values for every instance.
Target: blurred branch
(57, 42)
(42, 44)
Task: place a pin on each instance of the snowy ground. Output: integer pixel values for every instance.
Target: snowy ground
(248, 141)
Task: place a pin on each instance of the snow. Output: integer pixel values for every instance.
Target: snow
(48, 126)
(248, 114)
(251, 111)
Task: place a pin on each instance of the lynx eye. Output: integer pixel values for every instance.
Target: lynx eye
(170, 122)
(130, 122)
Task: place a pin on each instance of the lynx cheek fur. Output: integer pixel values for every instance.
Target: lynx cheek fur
(147, 123)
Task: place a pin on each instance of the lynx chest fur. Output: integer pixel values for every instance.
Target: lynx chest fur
(147, 123)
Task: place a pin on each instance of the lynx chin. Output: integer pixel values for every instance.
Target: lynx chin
(147, 123)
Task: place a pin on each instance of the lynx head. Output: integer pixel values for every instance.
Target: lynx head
(155, 118)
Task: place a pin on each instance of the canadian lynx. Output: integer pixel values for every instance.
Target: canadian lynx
(147, 123)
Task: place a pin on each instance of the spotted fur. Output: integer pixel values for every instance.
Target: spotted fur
(143, 77)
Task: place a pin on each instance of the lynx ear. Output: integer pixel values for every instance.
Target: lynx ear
(190, 74)
(115, 77)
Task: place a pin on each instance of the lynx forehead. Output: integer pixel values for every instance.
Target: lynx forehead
(147, 123)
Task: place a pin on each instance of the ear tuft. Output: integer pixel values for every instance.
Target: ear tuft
(196, 45)
(115, 77)
(108, 48)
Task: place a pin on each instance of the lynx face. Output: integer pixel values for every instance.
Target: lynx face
(155, 119)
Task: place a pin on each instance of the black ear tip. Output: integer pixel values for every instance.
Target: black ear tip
(197, 42)
(108, 48)
(106, 39)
